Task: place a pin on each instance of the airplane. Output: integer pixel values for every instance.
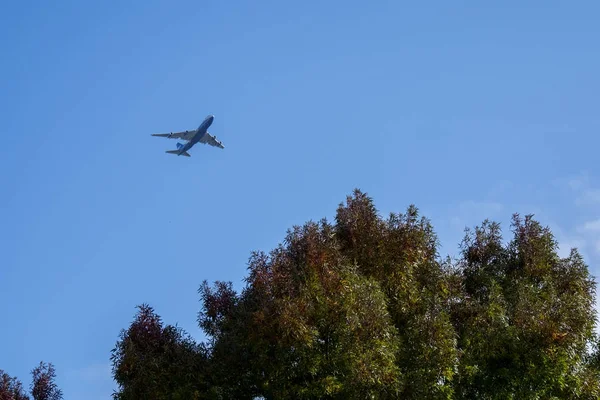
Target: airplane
(199, 135)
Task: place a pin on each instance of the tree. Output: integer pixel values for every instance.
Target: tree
(333, 302)
(155, 362)
(306, 326)
(365, 307)
(400, 253)
(526, 317)
(43, 386)
(11, 388)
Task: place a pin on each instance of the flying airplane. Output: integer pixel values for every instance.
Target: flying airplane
(200, 135)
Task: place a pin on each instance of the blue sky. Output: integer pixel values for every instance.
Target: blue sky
(469, 111)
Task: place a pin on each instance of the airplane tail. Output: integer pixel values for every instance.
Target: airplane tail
(176, 152)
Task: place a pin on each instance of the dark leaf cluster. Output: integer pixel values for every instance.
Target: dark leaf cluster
(42, 387)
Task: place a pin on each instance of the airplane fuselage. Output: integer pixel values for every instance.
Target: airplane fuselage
(200, 132)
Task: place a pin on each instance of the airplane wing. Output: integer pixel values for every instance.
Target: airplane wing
(211, 140)
(184, 135)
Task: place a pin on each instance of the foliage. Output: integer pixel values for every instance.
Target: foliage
(11, 388)
(526, 317)
(364, 307)
(401, 254)
(155, 362)
(42, 387)
(309, 324)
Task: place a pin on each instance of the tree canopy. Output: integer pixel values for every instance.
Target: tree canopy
(42, 387)
(152, 361)
(365, 307)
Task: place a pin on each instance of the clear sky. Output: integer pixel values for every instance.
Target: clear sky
(464, 109)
